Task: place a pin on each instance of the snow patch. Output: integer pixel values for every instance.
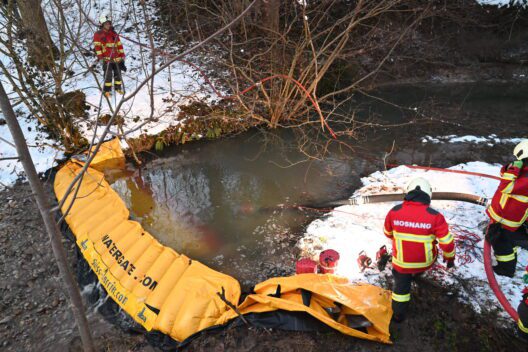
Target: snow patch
(502, 3)
(490, 140)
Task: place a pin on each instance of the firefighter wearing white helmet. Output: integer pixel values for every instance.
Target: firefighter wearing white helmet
(521, 150)
(508, 229)
(415, 228)
(421, 184)
(109, 50)
(104, 18)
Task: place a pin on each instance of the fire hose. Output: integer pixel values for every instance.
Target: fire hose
(468, 198)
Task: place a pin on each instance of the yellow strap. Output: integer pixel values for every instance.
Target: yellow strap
(449, 254)
(503, 199)
(508, 176)
(97, 43)
(108, 84)
(117, 82)
(506, 222)
(401, 298)
(388, 233)
(405, 265)
(109, 45)
(447, 239)
(505, 258)
(522, 199)
(522, 327)
(508, 188)
(413, 238)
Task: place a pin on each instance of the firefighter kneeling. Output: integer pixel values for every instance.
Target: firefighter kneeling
(415, 229)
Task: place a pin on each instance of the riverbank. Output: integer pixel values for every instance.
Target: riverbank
(36, 315)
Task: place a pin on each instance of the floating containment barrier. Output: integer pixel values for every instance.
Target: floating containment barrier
(166, 291)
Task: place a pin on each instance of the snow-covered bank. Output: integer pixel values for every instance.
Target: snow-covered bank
(352, 229)
(501, 3)
(159, 98)
(43, 150)
(490, 140)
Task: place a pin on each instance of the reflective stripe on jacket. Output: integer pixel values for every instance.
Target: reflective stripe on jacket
(415, 230)
(107, 45)
(509, 205)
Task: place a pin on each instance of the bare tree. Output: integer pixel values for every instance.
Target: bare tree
(286, 60)
(41, 49)
(49, 222)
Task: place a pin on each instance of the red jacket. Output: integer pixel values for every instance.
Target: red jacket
(415, 229)
(108, 45)
(509, 205)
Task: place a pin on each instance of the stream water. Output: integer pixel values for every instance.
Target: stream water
(218, 201)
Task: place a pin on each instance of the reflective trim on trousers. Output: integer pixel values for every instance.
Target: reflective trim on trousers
(522, 327)
(401, 298)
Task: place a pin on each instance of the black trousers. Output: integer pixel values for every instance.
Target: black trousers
(522, 324)
(504, 249)
(112, 69)
(401, 292)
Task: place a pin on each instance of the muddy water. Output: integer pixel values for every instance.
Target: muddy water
(218, 201)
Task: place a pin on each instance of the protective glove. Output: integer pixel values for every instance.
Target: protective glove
(517, 163)
(122, 66)
(525, 295)
(450, 263)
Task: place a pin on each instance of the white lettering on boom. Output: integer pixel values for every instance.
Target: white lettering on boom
(416, 225)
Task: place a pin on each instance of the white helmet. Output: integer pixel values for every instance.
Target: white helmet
(521, 150)
(105, 18)
(421, 184)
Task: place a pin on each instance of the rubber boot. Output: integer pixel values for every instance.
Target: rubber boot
(505, 269)
(398, 318)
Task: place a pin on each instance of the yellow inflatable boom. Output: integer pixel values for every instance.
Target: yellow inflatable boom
(171, 293)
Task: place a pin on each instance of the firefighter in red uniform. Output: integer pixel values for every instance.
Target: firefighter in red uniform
(109, 49)
(508, 212)
(415, 229)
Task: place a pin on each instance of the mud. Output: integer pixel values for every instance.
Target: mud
(35, 313)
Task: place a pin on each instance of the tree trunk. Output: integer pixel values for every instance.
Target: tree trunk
(49, 223)
(272, 24)
(40, 47)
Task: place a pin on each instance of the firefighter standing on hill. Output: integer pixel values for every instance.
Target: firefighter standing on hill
(508, 214)
(415, 229)
(109, 49)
